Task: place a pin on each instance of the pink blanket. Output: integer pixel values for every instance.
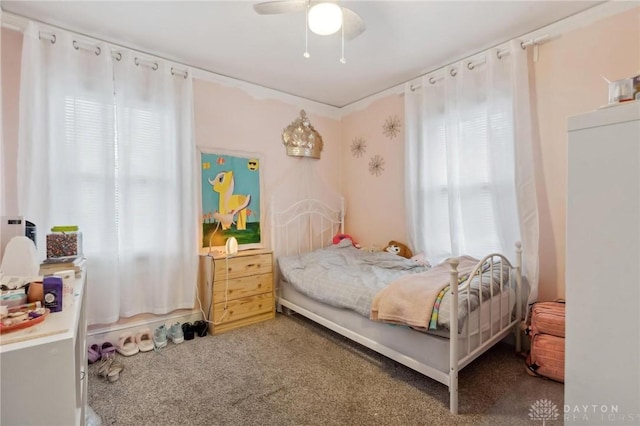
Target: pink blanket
(409, 299)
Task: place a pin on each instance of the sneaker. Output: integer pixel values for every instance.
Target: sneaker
(175, 333)
(188, 330)
(160, 337)
(200, 328)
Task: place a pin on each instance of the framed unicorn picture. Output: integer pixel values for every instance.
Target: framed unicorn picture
(231, 200)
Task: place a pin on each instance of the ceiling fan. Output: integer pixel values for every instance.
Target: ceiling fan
(318, 12)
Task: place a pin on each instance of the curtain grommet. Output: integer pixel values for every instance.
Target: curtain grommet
(52, 39)
(453, 72)
(432, 80)
(184, 75)
(470, 66)
(98, 51)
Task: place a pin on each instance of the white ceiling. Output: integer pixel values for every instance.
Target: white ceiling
(403, 39)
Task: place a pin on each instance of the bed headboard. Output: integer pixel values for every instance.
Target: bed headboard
(305, 225)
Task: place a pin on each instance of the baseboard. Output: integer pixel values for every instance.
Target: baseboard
(111, 333)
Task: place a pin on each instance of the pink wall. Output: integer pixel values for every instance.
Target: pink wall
(375, 204)
(230, 119)
(568, 83)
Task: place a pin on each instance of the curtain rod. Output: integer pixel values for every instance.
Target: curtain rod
(500, 53)
(87, 45)
(92, 47)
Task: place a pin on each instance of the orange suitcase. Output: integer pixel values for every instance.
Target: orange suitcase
(546, 357)
(548, 318)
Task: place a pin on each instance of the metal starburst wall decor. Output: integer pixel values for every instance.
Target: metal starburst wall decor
(376, 165)
(358, 147)
(391, 127)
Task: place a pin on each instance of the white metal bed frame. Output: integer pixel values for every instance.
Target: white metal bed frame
(317, 222)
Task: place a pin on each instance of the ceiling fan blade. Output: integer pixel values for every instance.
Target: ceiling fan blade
(353, 24)
(283, 6)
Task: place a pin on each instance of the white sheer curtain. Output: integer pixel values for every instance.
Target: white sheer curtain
(469, 179)
(107, 144)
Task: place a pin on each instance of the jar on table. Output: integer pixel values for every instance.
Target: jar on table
(64, 241)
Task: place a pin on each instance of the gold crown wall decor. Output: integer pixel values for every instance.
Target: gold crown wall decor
(301, 139)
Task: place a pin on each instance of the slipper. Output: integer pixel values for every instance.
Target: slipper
(144, 340)
(93, 354)
(107, 350)
(126, 345)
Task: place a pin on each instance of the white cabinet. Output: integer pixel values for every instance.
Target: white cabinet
(43, 369)
(602, 364)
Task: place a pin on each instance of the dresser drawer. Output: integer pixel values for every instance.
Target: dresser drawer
(243, 308)
(242, 266)
(243, 287)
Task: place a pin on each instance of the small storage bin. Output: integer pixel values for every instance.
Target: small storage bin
(64, 241)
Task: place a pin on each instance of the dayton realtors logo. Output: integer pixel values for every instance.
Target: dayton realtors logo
(543, 410)
(602, 414)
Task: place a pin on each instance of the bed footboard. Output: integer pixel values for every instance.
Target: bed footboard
(485, 270)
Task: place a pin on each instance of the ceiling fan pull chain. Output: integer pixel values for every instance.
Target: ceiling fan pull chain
(343, 60)
(306, 33)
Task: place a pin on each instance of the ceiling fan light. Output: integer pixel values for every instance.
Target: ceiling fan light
(325, 18)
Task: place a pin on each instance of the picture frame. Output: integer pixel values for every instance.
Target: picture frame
(231, 199)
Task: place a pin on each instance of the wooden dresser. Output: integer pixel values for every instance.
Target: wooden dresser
(244, 284)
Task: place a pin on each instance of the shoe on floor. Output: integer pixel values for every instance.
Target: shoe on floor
(175, 333)
(126, 345)
(144, 340)
(188, 330)
(107, 350)
(93, 353)
(200, 328)
(160, 337)
(114, 371)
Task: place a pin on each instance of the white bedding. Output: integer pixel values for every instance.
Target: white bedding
(343, 276)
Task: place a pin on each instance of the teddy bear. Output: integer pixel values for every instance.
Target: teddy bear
(398, 248)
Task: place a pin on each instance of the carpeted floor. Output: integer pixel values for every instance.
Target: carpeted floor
(290, 371)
